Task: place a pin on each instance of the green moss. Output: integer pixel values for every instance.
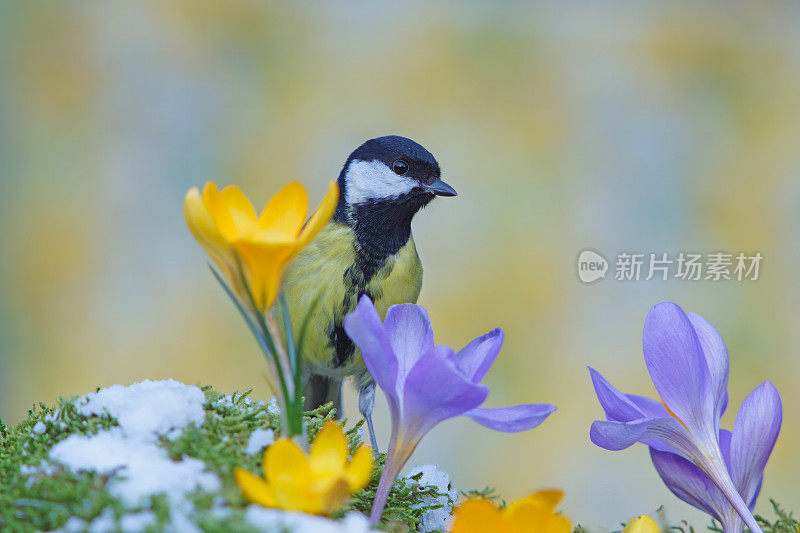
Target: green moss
(39, 502)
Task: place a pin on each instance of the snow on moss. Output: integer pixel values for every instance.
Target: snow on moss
(158, 456)
(275, 520)
(259, 439)
(148, 409)
(429, 475)
(144, 467)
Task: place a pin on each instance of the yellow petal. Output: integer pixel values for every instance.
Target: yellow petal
(254, 488)
(321, 216)
(284, 462)
(201, 224)
(642, 524)
(558, 524)
(478, 516)
(527, 515)
(334, 496)
(286, 211)
(203, 228)
(359, 471)
(294, 498)
(231, 210)
(328, 452)
(265, 265)
(548, 498)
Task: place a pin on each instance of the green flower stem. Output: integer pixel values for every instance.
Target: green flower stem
(293, 422)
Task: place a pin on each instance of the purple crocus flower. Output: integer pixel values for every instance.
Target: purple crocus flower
(688, 364)
(426, 384)
(745, 451)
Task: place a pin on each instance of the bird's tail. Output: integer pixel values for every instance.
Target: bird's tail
(320, 390)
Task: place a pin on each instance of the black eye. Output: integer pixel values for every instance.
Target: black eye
(400, 167)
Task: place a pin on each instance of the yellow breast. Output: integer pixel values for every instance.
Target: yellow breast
(319, 272)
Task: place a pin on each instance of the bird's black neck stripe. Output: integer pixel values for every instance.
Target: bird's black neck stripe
(383, 227)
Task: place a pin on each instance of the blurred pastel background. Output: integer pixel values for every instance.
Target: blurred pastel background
(657, 127)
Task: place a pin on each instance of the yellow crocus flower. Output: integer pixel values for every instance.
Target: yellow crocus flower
(318, 482)
(258, 247)
(532, 514)
(641, 524)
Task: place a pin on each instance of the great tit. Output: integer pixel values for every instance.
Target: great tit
(366, 248)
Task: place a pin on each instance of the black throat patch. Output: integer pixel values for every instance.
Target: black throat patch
(381, 228)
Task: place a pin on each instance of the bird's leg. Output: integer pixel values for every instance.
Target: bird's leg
(366, 401)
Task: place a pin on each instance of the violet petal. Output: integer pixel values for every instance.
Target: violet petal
(436, 390)
(617, 406)
(716, 354)
(365, 329)
(410, 334)
(755, 431)
(689, 483)
(678, 367)
(477, 357)
(512, 419)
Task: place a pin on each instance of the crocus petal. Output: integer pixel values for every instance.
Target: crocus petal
(436, 390)
(548, 497)
(651, 408)
(716, 354)
(202, 225)
(359, 471)
(642, 524)
(512, 419)
(410, 334)
(328, 452)
(254, 488)
(678, 367)
(285, 462)
(755, 431)
(478, 516)
(321, 216)
(531, 515)
(648, 406)
(688, 483)
(366, 330)
(616, 436)
(559, 524)
(333, 497)
(617, 406)
(265, 265)
(477, 357)
(286, 211)
(231, 210)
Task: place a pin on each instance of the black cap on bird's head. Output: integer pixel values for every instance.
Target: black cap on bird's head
(383, 184)
(391, 168)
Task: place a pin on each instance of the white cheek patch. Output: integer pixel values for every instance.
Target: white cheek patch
(372, 180)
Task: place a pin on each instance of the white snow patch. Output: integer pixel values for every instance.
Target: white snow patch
(272, 406)
(180, 521)
(136, 522)
(35, 472)
(219, 508)
(273, 519)
(436, 519)
(39, 427)
(73, 525)
(147, 409)
(145, 468)
(259, 439)
(105, 523)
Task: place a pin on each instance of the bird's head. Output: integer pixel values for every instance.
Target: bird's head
(392, 174)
